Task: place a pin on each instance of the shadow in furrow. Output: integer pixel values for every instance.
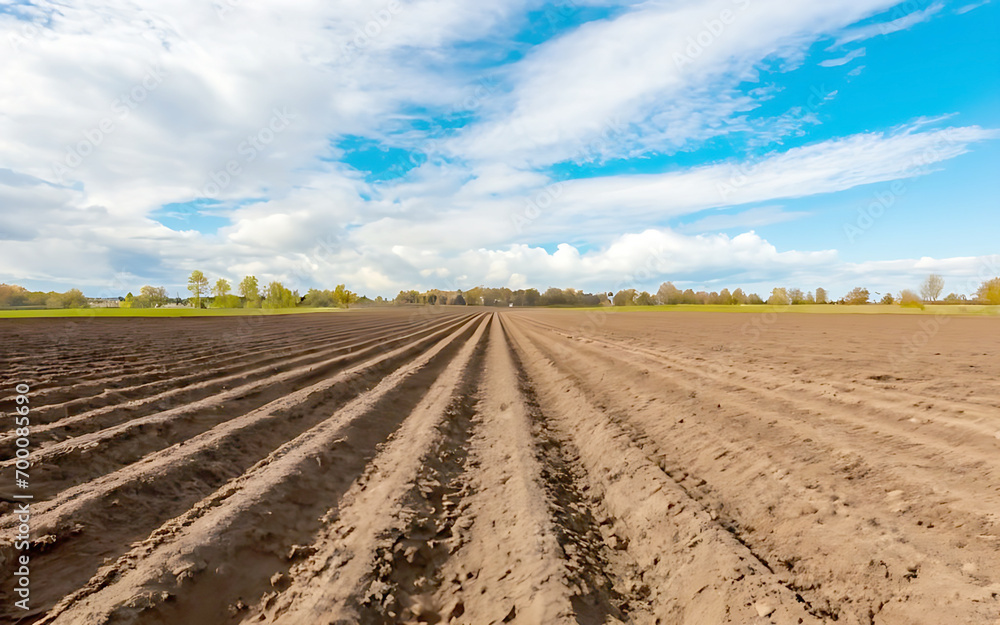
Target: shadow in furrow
(577, 530)
(68, 556)
(408, 572)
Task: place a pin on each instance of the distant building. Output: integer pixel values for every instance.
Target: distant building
(104, 302)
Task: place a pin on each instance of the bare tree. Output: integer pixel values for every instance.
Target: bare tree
(931, 287)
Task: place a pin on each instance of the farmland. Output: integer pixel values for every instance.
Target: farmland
(522, 466)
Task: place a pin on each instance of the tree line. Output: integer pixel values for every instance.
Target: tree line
(274, 295)
(668, 294)
(205, 294)
(248, 294)
(14, 296)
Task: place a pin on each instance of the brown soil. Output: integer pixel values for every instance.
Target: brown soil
(467, 466)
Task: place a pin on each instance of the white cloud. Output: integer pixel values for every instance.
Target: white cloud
(887, 28)
(844, 60)
(970, 7)
(825, 167)
(653, 78)
(451, 214)
(638, 259)
(752, 218)
(153, 101)
(445, 225)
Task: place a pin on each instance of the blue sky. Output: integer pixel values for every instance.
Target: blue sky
(445, 144)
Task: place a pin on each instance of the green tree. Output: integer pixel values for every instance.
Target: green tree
(779, 297)
(72, 298)
(474, 296)
(989, 292)
(909, 299)
(250, 291)
(668, 294)
(343, 297)
(12, 295)
(316, 298)
(129, 301)
(277, 296)
(857, 296)
(625, 297)
(197, 284)
(221, 297)
(151, 297)
(221, 288)
(644, 299)
(407, 297)
(554, 297)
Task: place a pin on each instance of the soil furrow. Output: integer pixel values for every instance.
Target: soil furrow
(375, 560)
(761, 477)
(249, 529)
(681, 564)
(79, 459)
(133, 386)
(245, 380)
(512, 568)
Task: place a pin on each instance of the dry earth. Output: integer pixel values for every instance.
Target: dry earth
(469, 466)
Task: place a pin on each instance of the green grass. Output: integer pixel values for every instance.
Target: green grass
(869, 309)
(157, 312)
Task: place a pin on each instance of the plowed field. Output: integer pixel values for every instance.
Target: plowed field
(536, 467)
